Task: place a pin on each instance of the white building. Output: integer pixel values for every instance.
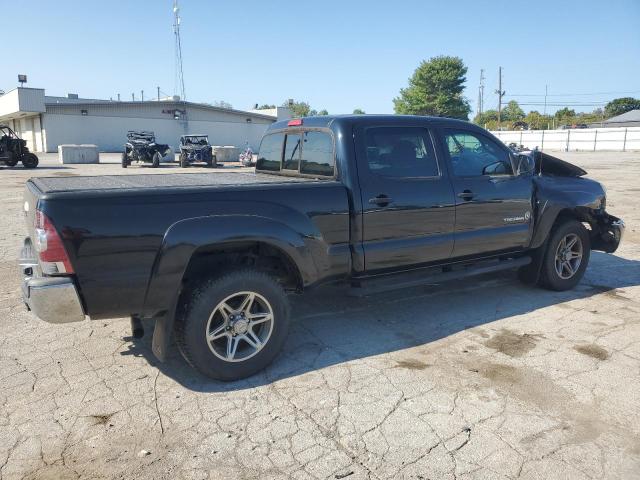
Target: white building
(46, 122)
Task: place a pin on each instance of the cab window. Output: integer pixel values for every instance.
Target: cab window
(474, 155)
(270, 153)
(292, 150)
(317, 154)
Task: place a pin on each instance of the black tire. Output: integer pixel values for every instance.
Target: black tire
(192, 328)
(125, 160)
(29, 160)
(184, 163)
(11, 161)
(550, 277)
(155, 163)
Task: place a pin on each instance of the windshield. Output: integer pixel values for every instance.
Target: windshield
(201, 140)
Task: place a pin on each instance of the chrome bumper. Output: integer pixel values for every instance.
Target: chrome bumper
(52, 299)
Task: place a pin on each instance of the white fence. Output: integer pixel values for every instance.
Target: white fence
(584, 139)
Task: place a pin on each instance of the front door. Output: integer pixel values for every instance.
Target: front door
(493, 206)
(407, 197)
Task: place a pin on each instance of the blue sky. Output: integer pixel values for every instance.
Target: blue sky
(337, 55)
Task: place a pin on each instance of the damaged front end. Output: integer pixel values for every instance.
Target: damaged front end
(606, 233)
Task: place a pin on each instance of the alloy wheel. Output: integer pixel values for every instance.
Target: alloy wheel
(239, 326)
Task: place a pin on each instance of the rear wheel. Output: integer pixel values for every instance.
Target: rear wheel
(567, 256)
(234, 325)
(156, 160)
(183, 161)
(29, 160)
(125, 160)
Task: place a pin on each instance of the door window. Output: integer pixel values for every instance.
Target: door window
(475, 155)
(400, 152)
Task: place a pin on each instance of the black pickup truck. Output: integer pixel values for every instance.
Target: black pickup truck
(372, 202)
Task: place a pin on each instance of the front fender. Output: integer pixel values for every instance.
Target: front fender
(555, 195)
(185, 237)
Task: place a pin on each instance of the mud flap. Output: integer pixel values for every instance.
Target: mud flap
(530, 274)
(162, 337)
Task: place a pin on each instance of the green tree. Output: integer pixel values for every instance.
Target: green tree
(619, 106)
(266, 106)
(565, 113)
(435, 89)
(512, 112)
(486, 117)
(298, 109)
(358, 111)
(323, 112)
(537, 121)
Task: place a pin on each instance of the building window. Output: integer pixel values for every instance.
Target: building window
(84, 113)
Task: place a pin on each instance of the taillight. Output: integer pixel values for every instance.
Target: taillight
(51, 253)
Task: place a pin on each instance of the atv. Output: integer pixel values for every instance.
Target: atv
(196, 149)
(13, 149)
(141, 146)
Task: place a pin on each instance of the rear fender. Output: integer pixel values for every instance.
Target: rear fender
(184, 238)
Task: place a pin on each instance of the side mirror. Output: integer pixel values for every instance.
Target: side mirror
(525, 165)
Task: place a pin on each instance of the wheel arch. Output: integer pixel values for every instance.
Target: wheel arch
(199, 246)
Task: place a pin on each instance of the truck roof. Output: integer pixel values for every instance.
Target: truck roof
(327, 120)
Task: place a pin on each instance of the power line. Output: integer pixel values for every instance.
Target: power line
(570, 94)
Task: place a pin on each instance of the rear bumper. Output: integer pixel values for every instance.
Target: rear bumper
(609, 236)
(52, 299)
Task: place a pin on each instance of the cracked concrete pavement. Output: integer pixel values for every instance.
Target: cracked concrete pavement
(480, 378)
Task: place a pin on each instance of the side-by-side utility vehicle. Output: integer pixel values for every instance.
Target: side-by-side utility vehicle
(370, 202)
(13, 149)
(141, 147)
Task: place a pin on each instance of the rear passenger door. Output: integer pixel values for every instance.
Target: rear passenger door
(407, 198)
(493, 206)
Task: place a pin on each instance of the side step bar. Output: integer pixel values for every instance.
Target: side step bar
(434, 276)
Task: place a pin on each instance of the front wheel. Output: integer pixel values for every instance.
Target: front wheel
(567, 256)
(29, 160)
(234, 325)
(125, 160)
(156, 160)
(184, 163)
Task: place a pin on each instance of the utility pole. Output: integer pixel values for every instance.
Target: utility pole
(544, 112)
(481, 93)
(133, 97)
(158, 93)
(142, 95)
(118, 97)
(500, 93)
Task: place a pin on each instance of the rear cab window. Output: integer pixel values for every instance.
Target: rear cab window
(300, 152)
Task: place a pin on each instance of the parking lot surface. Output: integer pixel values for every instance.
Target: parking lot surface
(479, 378)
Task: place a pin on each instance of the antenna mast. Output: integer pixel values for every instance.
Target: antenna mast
(179, 76)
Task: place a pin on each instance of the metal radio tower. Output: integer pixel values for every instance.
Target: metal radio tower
(179, 76)
(481, 93)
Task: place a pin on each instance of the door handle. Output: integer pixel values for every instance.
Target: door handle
(380, 200)
(466, 195)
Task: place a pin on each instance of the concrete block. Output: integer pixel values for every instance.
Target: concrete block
(170, 157)
(227, 153)
(78, 154)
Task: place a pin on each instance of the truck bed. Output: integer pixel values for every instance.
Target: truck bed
(146, 181)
